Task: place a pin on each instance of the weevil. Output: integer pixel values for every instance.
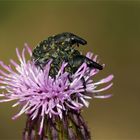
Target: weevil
(60, 48)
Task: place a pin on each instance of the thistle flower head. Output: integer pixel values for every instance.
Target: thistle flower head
(39, 94)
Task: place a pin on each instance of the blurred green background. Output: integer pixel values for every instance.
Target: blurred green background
(112, 29)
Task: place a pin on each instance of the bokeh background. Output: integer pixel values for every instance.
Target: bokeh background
(112, 29)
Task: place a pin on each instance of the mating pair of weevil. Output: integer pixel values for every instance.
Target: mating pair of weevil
(60, 48)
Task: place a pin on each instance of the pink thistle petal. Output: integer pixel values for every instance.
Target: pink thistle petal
(86, 103)
(19, 56)
(23, 55)
(23, 110)
(41, 125)
(5, 100)
(28, 49)
(103, 89)
(89, 55)
(4, 74)
(103, 96)
(8, 68)
(16, 104)
(39, 94)
(2, 87)
(105, 80)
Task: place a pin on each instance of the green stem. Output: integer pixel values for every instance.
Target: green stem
(71, 127)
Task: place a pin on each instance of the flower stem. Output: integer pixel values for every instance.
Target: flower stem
(71, 127)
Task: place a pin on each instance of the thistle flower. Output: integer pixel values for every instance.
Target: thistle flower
(52, 105)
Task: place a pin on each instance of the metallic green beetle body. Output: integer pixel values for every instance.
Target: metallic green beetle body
(60, 48)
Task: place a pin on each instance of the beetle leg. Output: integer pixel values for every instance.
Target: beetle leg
(84, 83)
